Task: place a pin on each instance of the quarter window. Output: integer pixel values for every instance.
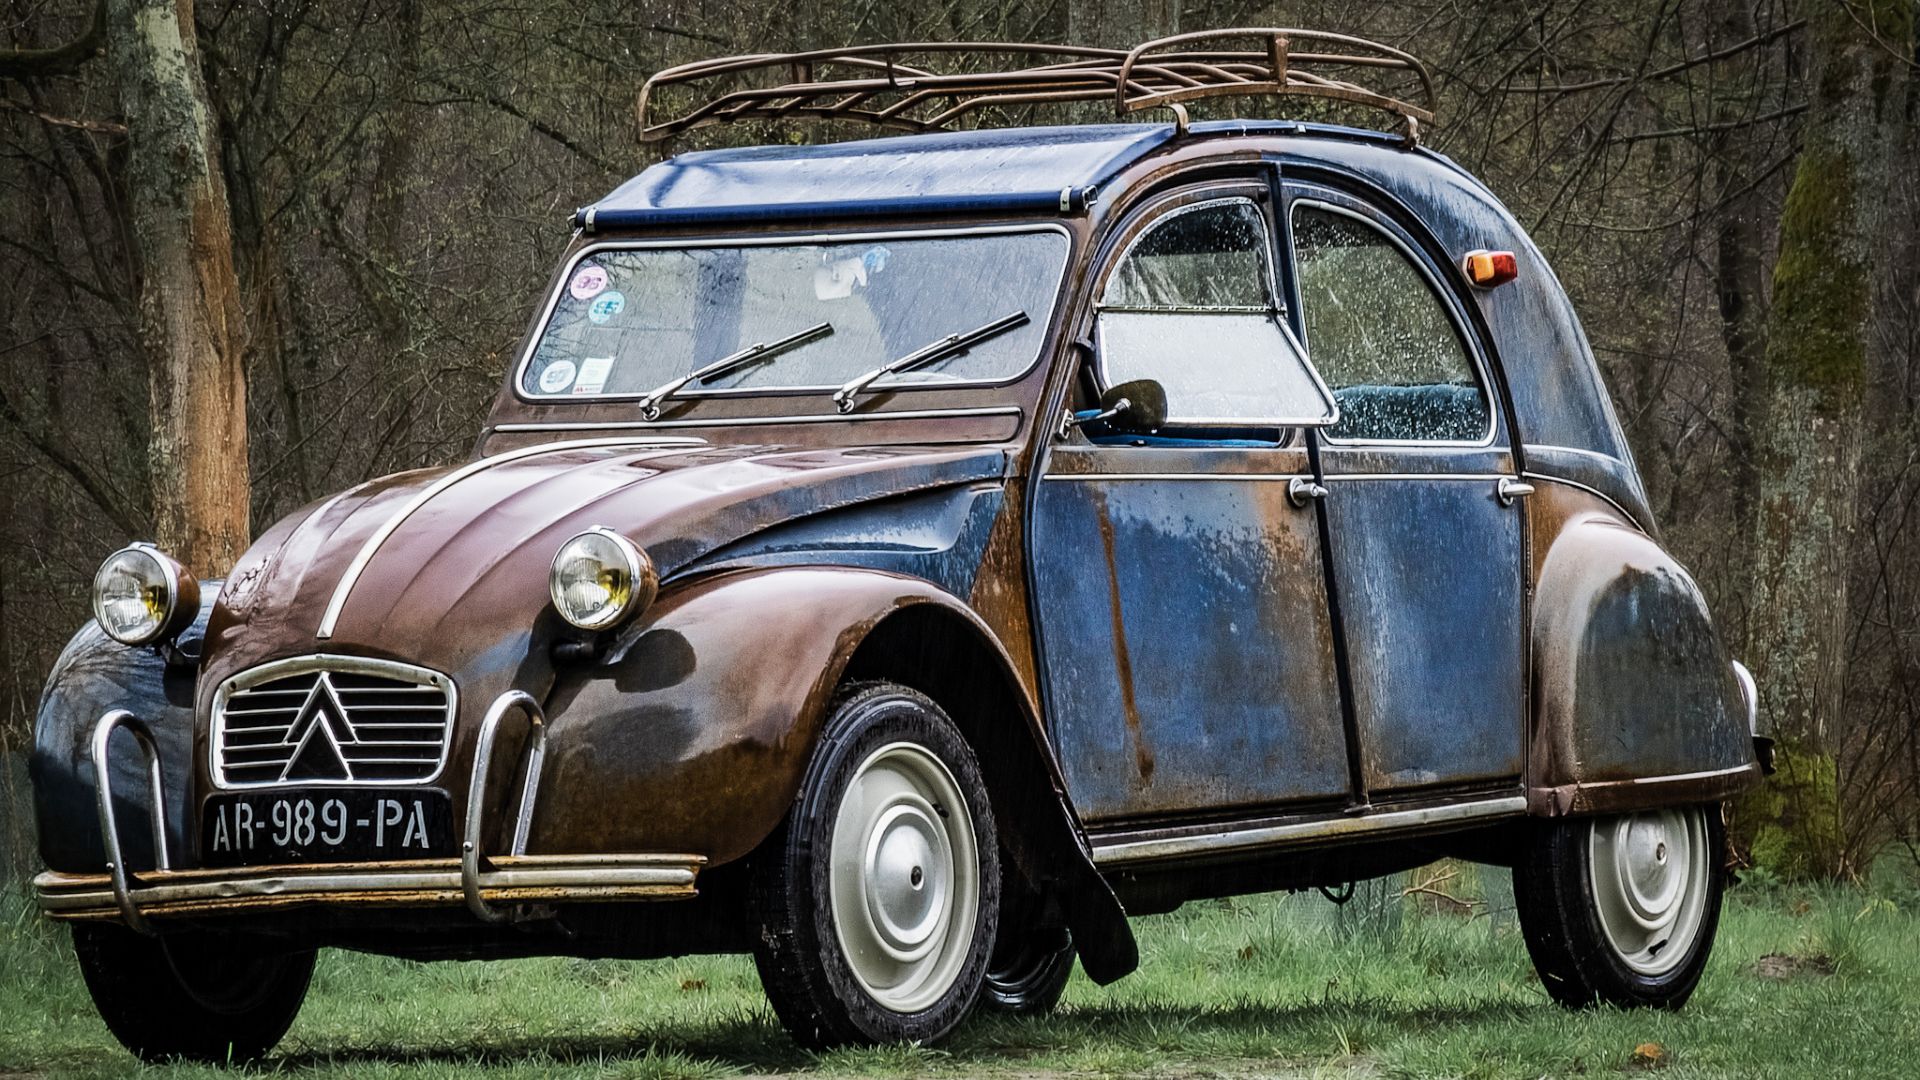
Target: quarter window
(1380, 335)
(1191, 305)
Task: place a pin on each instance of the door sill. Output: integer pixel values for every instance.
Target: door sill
(1135, 847)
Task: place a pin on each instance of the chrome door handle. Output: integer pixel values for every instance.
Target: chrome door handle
(1509, 489)
(1301, 490)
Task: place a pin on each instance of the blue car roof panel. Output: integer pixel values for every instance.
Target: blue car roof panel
(1010, 169)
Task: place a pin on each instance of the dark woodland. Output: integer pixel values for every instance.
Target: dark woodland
(255, 252)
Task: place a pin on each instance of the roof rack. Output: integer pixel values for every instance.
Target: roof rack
(876, 85)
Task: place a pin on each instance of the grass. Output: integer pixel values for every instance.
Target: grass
(1802, 983)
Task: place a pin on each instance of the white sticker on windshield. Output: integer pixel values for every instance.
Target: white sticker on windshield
(555, 376)
(835, 280)
(593, 374)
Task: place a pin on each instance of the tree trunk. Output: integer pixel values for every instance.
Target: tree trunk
(1121, 24)
(190, 315)
(1819, 331)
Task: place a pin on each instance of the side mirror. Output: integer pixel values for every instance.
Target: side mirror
(1137, 407)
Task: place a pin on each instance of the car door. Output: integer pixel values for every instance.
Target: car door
(1179, 593)
(1423, 504)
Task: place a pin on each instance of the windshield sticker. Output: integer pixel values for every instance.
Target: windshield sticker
(835, 280)
(593, 374)
(556, 376)
(606, 306)
(588, 283)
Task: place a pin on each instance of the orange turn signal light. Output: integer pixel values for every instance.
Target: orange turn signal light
(1489, 268)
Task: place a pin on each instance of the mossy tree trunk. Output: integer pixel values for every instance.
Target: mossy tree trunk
(1818, 334)
(191, 326)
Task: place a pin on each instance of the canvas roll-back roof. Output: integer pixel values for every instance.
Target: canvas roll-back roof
(1012, 170)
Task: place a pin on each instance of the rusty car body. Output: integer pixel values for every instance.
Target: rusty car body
(1274, 638)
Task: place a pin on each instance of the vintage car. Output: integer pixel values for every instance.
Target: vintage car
(903, 559)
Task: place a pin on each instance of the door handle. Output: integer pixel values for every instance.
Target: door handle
(1509, 489)
(1301, 491)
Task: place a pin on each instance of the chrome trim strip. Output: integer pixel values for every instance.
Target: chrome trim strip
(1751, 692)
(1601, 495)
(1279, 477)
(762, 421)
(780, 240)
(327, 662)
(359, 564)
(1241, 839)
(436, 882)
(1678, 778)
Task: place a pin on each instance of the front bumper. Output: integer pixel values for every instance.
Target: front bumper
(512, 879)
(495, 889)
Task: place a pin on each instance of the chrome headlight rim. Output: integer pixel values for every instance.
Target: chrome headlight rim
(637, 568)
(182, 596)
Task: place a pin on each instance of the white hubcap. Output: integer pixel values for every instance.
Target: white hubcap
(905, 877)
(1650, 885)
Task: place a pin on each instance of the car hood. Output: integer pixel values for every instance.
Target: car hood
(448, 568)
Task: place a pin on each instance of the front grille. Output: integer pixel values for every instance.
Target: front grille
(331, 720)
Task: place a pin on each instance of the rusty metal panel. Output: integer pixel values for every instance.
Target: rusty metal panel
(1429, 570)
(1185, 627)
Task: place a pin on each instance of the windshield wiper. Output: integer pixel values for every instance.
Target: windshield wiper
(950, 345)
(761, 350)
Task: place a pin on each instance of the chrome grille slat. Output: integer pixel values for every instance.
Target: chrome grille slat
(332, 720)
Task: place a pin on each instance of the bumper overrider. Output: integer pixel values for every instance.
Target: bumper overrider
(494, 888)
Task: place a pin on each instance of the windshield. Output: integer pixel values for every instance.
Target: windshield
(629, 320)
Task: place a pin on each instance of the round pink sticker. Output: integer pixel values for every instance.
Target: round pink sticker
(588, 282)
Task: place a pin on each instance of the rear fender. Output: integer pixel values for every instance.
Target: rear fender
(1637, 702)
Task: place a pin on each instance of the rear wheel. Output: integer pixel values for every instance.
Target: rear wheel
(1623, 909)
(194, 997)
(878, 899)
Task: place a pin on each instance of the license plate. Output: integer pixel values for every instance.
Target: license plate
(325, 825)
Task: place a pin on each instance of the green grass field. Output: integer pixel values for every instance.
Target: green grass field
(1802, 983)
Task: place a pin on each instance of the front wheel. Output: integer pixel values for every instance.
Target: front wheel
(1623, 909)
(221, 1000)
(878, 898)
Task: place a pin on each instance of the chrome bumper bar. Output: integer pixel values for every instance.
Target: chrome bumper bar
(482, 883)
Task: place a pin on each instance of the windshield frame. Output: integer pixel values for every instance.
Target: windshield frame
(1044, 319)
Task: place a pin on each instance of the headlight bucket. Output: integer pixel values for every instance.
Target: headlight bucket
(142, 596)
(599, 579)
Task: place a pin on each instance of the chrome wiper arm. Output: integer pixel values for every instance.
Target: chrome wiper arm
(759, 350)
(926, 354)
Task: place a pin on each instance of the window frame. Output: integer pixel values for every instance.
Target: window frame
(1163, 209)
(1320, 197)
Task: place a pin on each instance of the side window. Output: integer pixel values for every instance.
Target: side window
(1380, 336)
(1191, 306)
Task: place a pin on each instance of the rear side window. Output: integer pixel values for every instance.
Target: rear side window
(1380, 336)
(1192, 306)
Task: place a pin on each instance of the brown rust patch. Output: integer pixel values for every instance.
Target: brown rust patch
(1122, 658)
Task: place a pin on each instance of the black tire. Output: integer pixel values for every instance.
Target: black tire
(204, 998)
(1029, 972)
(1560, 916)
(807, 972)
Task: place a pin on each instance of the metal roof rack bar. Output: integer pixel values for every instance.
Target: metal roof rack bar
(873, 84)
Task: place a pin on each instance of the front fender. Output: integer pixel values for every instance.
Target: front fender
(1637, 702)
(693, 733)
(93, 675)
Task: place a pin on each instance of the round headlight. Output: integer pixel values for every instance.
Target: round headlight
(599, 578)
(141, 596)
